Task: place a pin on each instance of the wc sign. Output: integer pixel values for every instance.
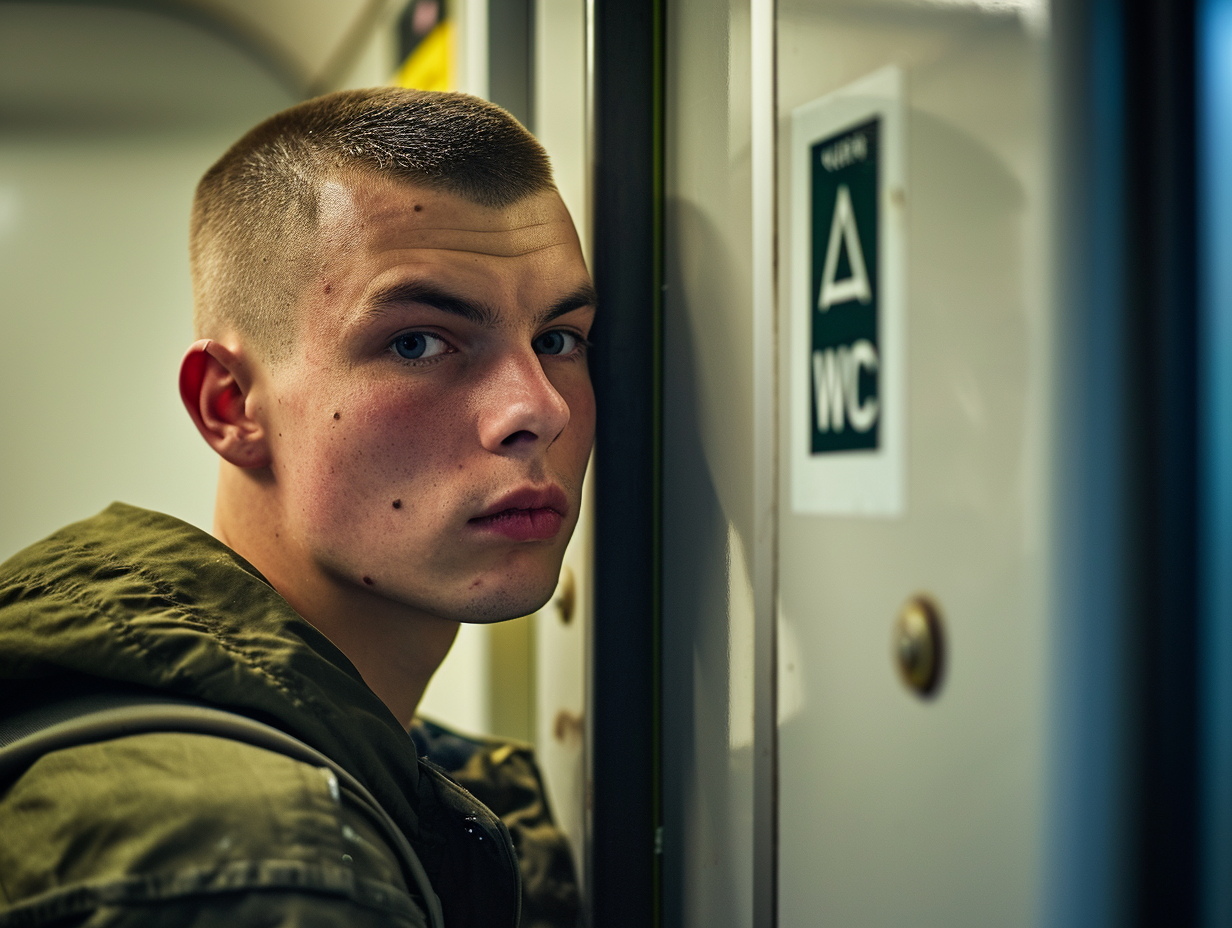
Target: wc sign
(847, 352)
(844, 374)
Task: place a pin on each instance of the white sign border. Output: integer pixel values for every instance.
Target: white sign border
(867, 483)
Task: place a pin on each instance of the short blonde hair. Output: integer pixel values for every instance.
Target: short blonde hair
(254, 218)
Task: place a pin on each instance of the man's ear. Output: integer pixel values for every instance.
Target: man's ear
(214, 387)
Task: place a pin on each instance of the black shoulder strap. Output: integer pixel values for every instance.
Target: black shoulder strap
(29, 707)
(86, 718)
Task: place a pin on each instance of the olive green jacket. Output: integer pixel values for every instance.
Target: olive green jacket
(197, 830)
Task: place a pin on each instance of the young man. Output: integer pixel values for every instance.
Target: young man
(392, 312)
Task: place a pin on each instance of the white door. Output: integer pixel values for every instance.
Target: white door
(897, 808)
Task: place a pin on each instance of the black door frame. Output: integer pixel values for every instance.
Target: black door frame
(626, 49)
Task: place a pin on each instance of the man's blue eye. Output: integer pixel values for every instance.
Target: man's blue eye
(556, 342)
(415, 346)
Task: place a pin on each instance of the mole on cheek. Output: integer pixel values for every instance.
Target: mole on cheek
(397, 504)
(418, 208)
(329, 288)
(368, 580)
(336, 416)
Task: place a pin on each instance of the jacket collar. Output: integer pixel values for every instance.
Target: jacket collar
(140, 597)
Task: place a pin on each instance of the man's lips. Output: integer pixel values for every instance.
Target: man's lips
(531, 514)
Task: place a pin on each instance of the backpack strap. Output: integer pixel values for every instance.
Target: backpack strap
(80, 719)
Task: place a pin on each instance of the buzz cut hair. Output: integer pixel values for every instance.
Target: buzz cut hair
(253, 234)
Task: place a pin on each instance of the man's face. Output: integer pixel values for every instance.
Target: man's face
(430, 434)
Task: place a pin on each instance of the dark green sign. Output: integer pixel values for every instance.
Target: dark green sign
(844, 366)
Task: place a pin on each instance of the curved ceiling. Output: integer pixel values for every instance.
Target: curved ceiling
(96, 64)
(313, 41)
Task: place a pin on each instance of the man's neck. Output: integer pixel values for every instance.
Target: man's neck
(396, 652)
(395, 649)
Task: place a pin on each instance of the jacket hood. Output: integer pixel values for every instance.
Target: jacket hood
(138, 597)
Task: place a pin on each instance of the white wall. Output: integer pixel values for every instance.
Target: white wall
(107, 120)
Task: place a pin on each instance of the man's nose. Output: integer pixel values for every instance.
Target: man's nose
(522, 408)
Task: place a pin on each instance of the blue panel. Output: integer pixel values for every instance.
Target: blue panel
(1088, 837)
(1215, 199)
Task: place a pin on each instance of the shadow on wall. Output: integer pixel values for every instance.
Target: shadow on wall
(704, 777)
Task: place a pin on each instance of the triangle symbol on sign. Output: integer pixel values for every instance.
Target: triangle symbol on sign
(843, 232)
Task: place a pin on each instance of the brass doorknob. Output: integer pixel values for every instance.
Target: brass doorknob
(919, 645)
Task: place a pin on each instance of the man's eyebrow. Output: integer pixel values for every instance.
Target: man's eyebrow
(584, 295)
(416, 291)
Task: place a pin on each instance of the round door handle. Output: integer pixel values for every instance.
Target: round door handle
(919, 645)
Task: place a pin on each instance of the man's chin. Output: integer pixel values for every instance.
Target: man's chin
(500, 605)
